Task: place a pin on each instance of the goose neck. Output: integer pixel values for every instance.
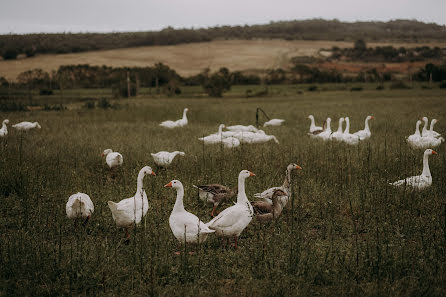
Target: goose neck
(179, 206)
(367, 125)
(426, 171)
(425, 127)
(139, 182)
(340, 126)
(241, 195)
(287, 181)
(417, 129)
(347, 126)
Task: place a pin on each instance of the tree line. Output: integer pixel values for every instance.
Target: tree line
(12, 45)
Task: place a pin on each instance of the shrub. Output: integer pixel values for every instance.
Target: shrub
(312, 88)
(217, 83)
(443, 85)
(399, 85)
(46, 92)
(13, 106)
(356, 89)
(55, 107)
(90, 105)
(103, 103)
(380, 87)
(10, 54)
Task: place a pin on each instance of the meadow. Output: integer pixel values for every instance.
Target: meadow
(346, 232)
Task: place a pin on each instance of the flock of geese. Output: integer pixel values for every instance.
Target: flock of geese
(229, 223)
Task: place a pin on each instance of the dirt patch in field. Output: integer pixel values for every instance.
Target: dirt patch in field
(192, 58)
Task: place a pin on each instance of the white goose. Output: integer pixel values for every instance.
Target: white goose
(338, 135)
(347, 137)
(233, 220)
(414, 139)
(241, 128)
(267, 195)
(273, 122)
(178, 123)
(214, 138)
(313, 127)
(164, 159)
(365, 134)
(25, 126)
(4, 129)
(112, 158)
(230, 142)
(131, 210)
(431, 131)
(418, 182)
(325, 134)
(185, 226)
(251, 137)
(79, 205)
(425, 132)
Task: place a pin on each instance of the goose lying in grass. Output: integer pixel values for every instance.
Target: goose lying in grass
(324, 134)
(251, 137)
(4, 129)
(347, 137)
(214, 138)
(185, 226)
(113, 159)
(130, 211)
(418, 182)
(233, 220)
(25, 126)
(365, 134)
(313, 127)
(431, 131)
(178, 123)
(230, 142)
(164, 159)
(241, 128)
(338, 135)
(273, 122)
(267, 195)
(79, 205)
(215, 194)
(265, 212)
(416, 141)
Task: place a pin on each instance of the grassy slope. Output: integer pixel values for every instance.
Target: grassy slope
(189, 59)
(346, 233)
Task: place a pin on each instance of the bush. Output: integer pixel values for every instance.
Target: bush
(55, 107)
(10, 54)
(13, 106)
(380, 87)
(312, 88)
(399, 85)
(356, 89)
(90, 105)
(217, 83)
(30, 52)
(103, 103)
(46, 92)
(443, 85)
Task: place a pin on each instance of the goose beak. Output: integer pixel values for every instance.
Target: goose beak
(372, 118)
(102, 154)
(169, 185)
(251, 174)
(153, 173)
(434, 152)
(298, 167)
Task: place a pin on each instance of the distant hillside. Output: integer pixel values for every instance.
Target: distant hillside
(12, 45)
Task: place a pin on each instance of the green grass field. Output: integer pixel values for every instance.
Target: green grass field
(345, 232)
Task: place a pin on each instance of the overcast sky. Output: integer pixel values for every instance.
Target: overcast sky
(25, 16)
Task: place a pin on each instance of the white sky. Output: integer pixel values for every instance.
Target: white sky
(25, 16)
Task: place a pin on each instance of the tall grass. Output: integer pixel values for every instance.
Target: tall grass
(345, 232)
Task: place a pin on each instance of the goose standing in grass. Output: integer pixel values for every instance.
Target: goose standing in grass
(185, 226)
(164, 159)
(424, 131)
(273, 122)
(25, 126)
(4, 129)
(265, 212)
(79, 205)
(414, 139)
(431, 131)
(418, 182)
(130, 211)
(233, 220)
(215, 194)
(313, 126)
(267, 195)
(365, 134)
(113, 159)
(325, 134)
(339, 133)
(347, 137)
(241, 128)
(178, 123)
(214, 138)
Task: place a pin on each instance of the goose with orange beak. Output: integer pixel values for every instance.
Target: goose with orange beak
(233, 220)
(267, 195)
(418, 182)
(185, 226)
